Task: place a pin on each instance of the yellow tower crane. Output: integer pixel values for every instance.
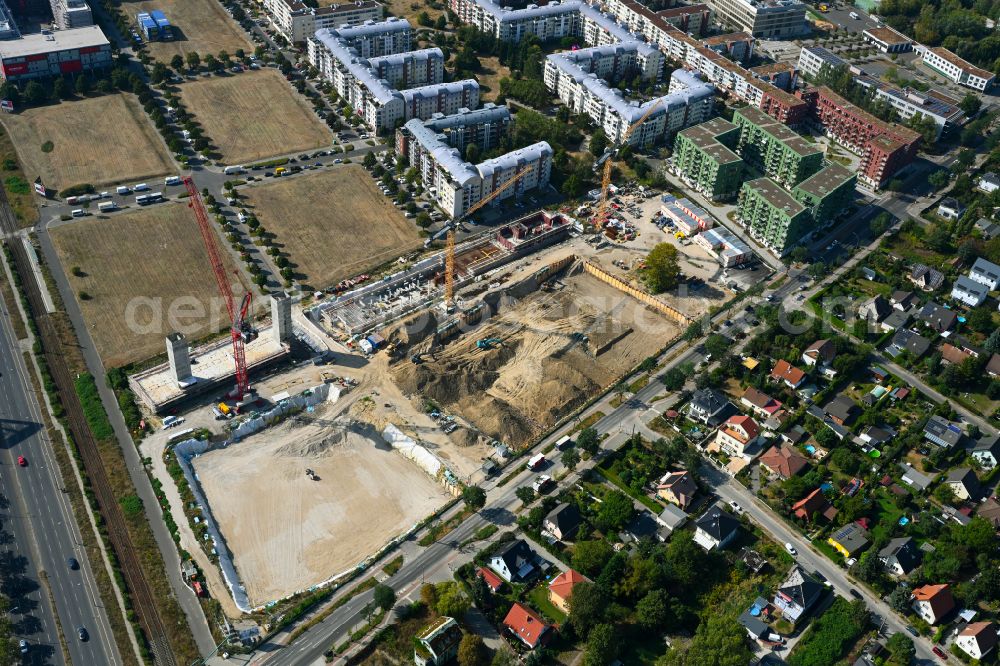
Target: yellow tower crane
(602, 203)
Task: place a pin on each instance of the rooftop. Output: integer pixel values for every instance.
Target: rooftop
(775, 195)
(704, 136)
(894, 131)
(827, 179)
(964, 65)
(56, 40)
(888, 35)
(779, 131)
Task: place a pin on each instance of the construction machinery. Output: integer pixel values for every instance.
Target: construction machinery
(241, 328)
(607, 161)
(488, 343)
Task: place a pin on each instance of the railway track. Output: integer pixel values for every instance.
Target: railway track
(141, 595)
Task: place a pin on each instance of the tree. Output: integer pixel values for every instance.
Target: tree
(570, 458)
(845, 460)
(662, 269)
(939, 179)
(424, 19)
(384, 596)
(474, 497)
(717, 345)
(616, 510)
(992, 343)
(587, 606)
(370, 161)
(899, 599)
(423, 220)
(177, 62)
(472, 651)
(602, 646)
(525, 493)
(451, 601)
(193, 60)
(589, 557)
(970, 104)
(82, 85)
(868, 567)
(653, 610)
(901, 647)
(35, 94)
(211, 63)
(718, 641)
(588, 440)
(441, 22)
(598, 142)
(428, 595)
(944, 494)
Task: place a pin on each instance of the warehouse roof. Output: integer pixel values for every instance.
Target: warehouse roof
(57, 40)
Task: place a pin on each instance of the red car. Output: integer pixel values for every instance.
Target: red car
(22, 461)
(940, 653)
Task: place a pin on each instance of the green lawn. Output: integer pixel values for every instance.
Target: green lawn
(828, 550)
(539, 600)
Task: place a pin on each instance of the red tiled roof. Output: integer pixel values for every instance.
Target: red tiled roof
(761, 400)
(814, 502)
(783, 370)
(563, 584)
(525, 624)
(744, 422)
(938, 596)
(784, 460)
(985, 634)
(492, 580)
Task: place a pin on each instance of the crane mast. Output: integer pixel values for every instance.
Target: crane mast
(602, 202)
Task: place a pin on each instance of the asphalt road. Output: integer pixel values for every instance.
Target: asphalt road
(43, 528)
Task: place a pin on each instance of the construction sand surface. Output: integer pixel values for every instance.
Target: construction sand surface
(542, 370)
(288, 532)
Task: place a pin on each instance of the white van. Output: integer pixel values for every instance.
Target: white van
(123, 189)
(230, 170)
(172, 180)
(79, 212)
(854, 15)
(141, 187)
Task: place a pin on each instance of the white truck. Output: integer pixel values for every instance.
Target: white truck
(231, 170)
(172, 180)
(107, 206)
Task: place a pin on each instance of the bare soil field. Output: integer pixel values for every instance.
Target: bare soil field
(99, 140)
(408, 9)
(142, 274)
(489, 77)
(202, 26)
(334, 224)
(254, 115)
(288, 532)
(542, 369)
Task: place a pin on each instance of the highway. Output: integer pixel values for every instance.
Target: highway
(41, 533)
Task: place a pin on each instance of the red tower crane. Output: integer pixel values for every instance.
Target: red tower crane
(241, 330)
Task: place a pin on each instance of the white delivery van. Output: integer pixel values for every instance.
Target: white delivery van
(123, 189)
(107, 206)
(79, 212)
(230, 170)
(854, 15)
(141, 187)
(172, 180)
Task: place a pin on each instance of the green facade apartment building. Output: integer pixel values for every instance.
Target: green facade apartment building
(772, 216)
(703, 156)
(828, 193)
(774, 149)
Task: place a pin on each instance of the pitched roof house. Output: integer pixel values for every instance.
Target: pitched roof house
(849, 539)
(438, 643)
(526, 625)
(977, 639)
(926, 278)
(986, 273)
(937, 317)
(989, 511)
(493, 581)
(821, 352)
(900, 556)
(875, 309)
(797, 593)
(737, 435)
(515, 563)
(993, 367)
(909, 341)
(963, 482)
(952, 355)
(902, 300)
(939, 431)
(841, 409)
(563, 521)
(561, 588)
(715, 529)
(815, 503)
(786, 372)
(967, 291)
(933, 602)
(784, 461)
(678, 488)
(986, 452)
(708, 407)
(759, 402)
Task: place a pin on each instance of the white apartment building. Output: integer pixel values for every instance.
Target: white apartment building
(68, 14)
(575, 77)
(446, 98)
(298, 22)
(764, 19)
(813, 58)
(959, 71)
(373, 39)
(410, 69)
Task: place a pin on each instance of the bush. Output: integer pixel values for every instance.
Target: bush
(77, 190)
(17, 185)
(93, 410)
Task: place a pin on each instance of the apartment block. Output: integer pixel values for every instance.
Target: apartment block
(704, 158)
(827, 193)
(813, 58)
(297, 21)
(907, 103)
(373, 39)
(68, 14)
(552, 21)
(485, 127)
(692, 19)
(771, 215)
(764, 19)
(410, 69)
(958, 70)
(774, 149)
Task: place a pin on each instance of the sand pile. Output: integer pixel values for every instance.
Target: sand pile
(321, 438)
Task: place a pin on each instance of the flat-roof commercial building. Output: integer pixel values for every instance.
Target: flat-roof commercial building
(705, 159)
(764, 19)
(576, 78)
(297, 21)
(774, 148)
(888, 40)
(60, 52)
(958, 70)
(725, 245)
(771, 215)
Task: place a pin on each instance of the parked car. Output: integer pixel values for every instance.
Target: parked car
(736, 506)
(791, 549)
(939, 653)
(22, 461)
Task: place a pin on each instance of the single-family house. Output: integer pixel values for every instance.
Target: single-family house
(750, 619)
(797, 594)
(437, 644)
(988, 182)
(814, 504)
(941, 432)
(993, 366)
(900, 556)
(849, 539)
(493, 581)
(516, 563)
(678, 488)
(561, 588)
(989, 511)
(715, 529)
(760, 403)
(876, 436)
(926, 278)
(952, 355)
(527, 626)
(737, 435)
(950, 209)
(910, 341)
(563, 521)
(875, 309)
(708, 406)
(969, 292)
(985, 273)
(963, 482)
(932, 602)
(787, 373)
(987, 228)
(977, 639)
(784, 461)
(841, 410)
(672, 517)
(936, 317)
(896, 320)
(903, 300)
(986, 452)
(794, 435)
(913, 478)
(821, 352)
